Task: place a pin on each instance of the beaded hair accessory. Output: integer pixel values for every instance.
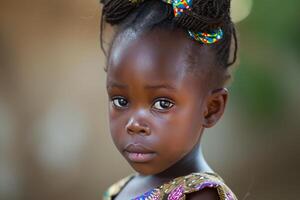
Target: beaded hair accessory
(179, 6)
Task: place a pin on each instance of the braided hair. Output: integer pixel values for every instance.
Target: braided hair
(204, 16)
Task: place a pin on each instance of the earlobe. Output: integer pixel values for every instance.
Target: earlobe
(215, 107)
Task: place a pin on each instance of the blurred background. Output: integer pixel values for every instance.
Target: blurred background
(54, 137)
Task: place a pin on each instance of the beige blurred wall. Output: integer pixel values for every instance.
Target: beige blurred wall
(54, 137)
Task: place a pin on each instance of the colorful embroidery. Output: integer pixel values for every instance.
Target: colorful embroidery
(151, 195)
(178, 188)
(176, 193)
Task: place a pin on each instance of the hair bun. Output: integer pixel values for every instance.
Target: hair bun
(205, 15)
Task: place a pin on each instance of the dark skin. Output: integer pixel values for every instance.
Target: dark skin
(156, 102)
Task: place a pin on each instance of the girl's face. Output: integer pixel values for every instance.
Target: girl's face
(155, 104)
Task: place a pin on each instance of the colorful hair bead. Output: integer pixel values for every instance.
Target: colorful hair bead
(179, 6)
(207, 38)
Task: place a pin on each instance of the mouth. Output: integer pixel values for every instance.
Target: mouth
(138, 153)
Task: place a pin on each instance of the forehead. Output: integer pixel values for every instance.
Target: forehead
(155, 52)
(157, 55)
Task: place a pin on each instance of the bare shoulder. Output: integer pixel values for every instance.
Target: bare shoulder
(205, 194)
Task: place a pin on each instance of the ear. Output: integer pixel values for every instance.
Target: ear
(215, 106)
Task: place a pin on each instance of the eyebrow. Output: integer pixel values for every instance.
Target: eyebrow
(149, 87)
(111, 84)
(160, 86)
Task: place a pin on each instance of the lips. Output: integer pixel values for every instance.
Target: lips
(139, 153)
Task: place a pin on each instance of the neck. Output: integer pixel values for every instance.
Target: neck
(192, 162)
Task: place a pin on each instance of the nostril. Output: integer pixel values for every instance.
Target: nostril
(137, 131)
(129, 130)
(146, 131)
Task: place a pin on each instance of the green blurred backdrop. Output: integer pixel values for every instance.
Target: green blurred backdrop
(54, 138)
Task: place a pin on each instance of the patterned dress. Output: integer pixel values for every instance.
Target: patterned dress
(177, 188)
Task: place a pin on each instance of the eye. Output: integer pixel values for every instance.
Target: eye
(120, 102)
(163, 104)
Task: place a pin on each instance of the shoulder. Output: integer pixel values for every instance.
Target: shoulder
(114, 189)
(204, 186)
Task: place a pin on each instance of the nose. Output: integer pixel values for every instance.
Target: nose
(135, 127)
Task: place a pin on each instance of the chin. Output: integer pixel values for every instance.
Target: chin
(146, 168)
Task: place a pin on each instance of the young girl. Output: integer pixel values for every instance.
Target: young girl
(166, 70)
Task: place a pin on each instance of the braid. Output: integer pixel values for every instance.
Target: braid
(235, 47)
(116, 10)
(205, 15)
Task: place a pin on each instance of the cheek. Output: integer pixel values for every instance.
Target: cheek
(180, 131)
(116, 125)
